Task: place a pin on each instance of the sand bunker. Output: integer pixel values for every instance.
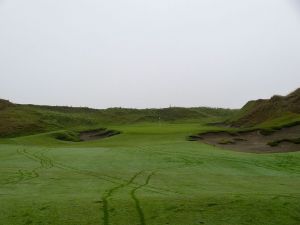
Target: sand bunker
(254, 141)
(96, 134)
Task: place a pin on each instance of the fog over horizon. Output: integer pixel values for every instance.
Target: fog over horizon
(148, 54)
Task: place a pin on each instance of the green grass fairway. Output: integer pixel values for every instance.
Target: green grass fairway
(148, 175)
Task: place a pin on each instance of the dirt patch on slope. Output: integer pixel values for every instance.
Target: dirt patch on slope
(254, 141)
(97, 134)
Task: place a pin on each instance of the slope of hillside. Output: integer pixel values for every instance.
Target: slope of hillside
(16, 119)
(278, 109)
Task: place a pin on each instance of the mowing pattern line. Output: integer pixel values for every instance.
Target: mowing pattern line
(137, 201)
(109, 194)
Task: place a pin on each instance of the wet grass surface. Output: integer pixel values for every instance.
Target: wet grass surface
(148, 175)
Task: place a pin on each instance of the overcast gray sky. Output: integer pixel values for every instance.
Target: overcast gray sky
(148, 53)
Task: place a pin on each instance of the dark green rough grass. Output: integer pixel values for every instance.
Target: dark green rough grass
(149, 175)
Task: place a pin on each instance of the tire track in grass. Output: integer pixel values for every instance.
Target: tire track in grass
(137, 201)
(109, 193)
(47, 163)
(15, 179)
(110, 179)
(25, 175)
(28, 175)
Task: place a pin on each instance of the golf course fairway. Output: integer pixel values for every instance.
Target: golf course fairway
(147, 175)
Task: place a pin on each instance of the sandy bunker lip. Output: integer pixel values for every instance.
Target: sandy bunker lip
(284, 140)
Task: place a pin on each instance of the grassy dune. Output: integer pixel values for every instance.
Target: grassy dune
(275, 112)
(147, 175)
(17, 120)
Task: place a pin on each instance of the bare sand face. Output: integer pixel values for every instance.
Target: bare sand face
(253, 141)
(96, 134)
